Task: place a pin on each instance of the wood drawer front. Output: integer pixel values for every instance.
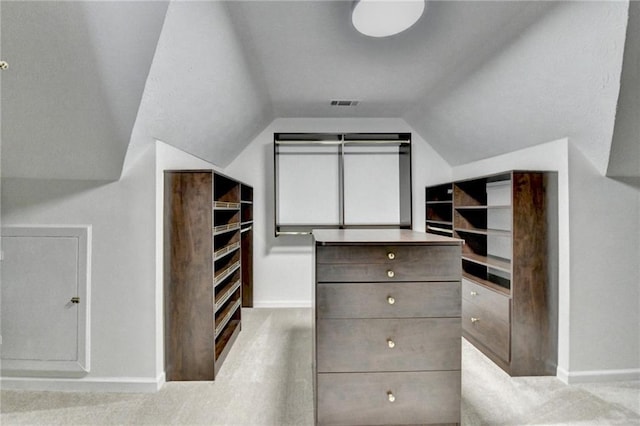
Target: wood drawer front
(380, 254)
(361, 345)
(371, 263)
(372, 300)
(488, 329)
(496, 303)
(363, 398)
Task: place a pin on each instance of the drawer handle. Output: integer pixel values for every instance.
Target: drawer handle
(474, 293)
(390, 273)
(391, 255)
(391, 343)
(474, 320)
(390, 396)
(391, 300)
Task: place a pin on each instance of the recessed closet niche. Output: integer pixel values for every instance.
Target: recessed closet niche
(345, 181)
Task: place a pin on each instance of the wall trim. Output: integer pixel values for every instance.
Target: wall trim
(591, 376)
(282, 304)
(94, 384)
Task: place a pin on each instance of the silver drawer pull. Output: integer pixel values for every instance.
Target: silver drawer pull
(391, 300)
(390, 396)
(474, 320)
(391, 255)
(390, 273)
(474, 293)
(391, 343)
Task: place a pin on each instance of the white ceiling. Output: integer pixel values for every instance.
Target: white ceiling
(76, 76)
(474, 78)
(309, 52)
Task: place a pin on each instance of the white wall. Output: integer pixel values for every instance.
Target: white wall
(283, 265)
(605, 280)
(123, 300)
(127, 351)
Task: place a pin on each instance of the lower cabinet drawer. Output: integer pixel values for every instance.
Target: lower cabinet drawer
(388, 300)
(485, 327)
(388, 398)
(361, 345)
(486, 299)
(379, 272)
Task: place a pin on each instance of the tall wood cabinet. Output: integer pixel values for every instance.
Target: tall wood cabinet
(509, 292)
(202, 271)
(387, 328)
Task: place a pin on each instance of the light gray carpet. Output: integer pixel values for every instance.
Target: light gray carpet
(266, 380)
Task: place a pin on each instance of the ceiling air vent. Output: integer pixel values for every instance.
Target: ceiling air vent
(344, 103)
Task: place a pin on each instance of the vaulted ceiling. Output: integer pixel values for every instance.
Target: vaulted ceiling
(90, 81)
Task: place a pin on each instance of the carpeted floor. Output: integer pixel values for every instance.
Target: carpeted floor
(266, 380)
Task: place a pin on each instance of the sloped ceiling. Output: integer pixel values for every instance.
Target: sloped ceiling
(624, 161)
(559, 78)
(475, 78)
(201, 95)
(76, 77)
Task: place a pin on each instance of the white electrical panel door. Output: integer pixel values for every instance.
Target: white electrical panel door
(44, 300)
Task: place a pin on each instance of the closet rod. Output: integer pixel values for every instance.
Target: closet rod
(289, 142)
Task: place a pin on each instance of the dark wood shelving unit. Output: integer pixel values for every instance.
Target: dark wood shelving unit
(439, 209)
(509, 305)
(203, 271)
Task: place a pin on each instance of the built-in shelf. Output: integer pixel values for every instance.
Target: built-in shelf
(223, 205)
(508, 306)
(226, 250)
(479, 231)
(204, 272)
(227, 293)
(222, 274)
(438, 230)
(220, 229)
(491, 261)
(226, 315)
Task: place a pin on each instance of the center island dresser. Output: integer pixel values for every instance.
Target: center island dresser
(387, 327)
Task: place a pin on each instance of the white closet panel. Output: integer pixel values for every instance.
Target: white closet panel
(45, 300)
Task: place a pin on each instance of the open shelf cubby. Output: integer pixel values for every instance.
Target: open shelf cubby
(439, 209)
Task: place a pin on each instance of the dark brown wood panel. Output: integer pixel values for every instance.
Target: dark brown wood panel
(188, 277)
(531, 328)
(364, 398)
(247, 268)
(364, 345)
(388, 300)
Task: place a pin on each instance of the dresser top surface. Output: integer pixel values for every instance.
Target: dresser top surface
(379, 236)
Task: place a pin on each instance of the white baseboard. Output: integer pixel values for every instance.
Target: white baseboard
(282, 304)
(591, 376)
(93, 384)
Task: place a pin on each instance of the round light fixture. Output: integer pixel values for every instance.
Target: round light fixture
(382, 18)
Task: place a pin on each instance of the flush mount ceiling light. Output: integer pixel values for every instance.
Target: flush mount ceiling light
(382, 18)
